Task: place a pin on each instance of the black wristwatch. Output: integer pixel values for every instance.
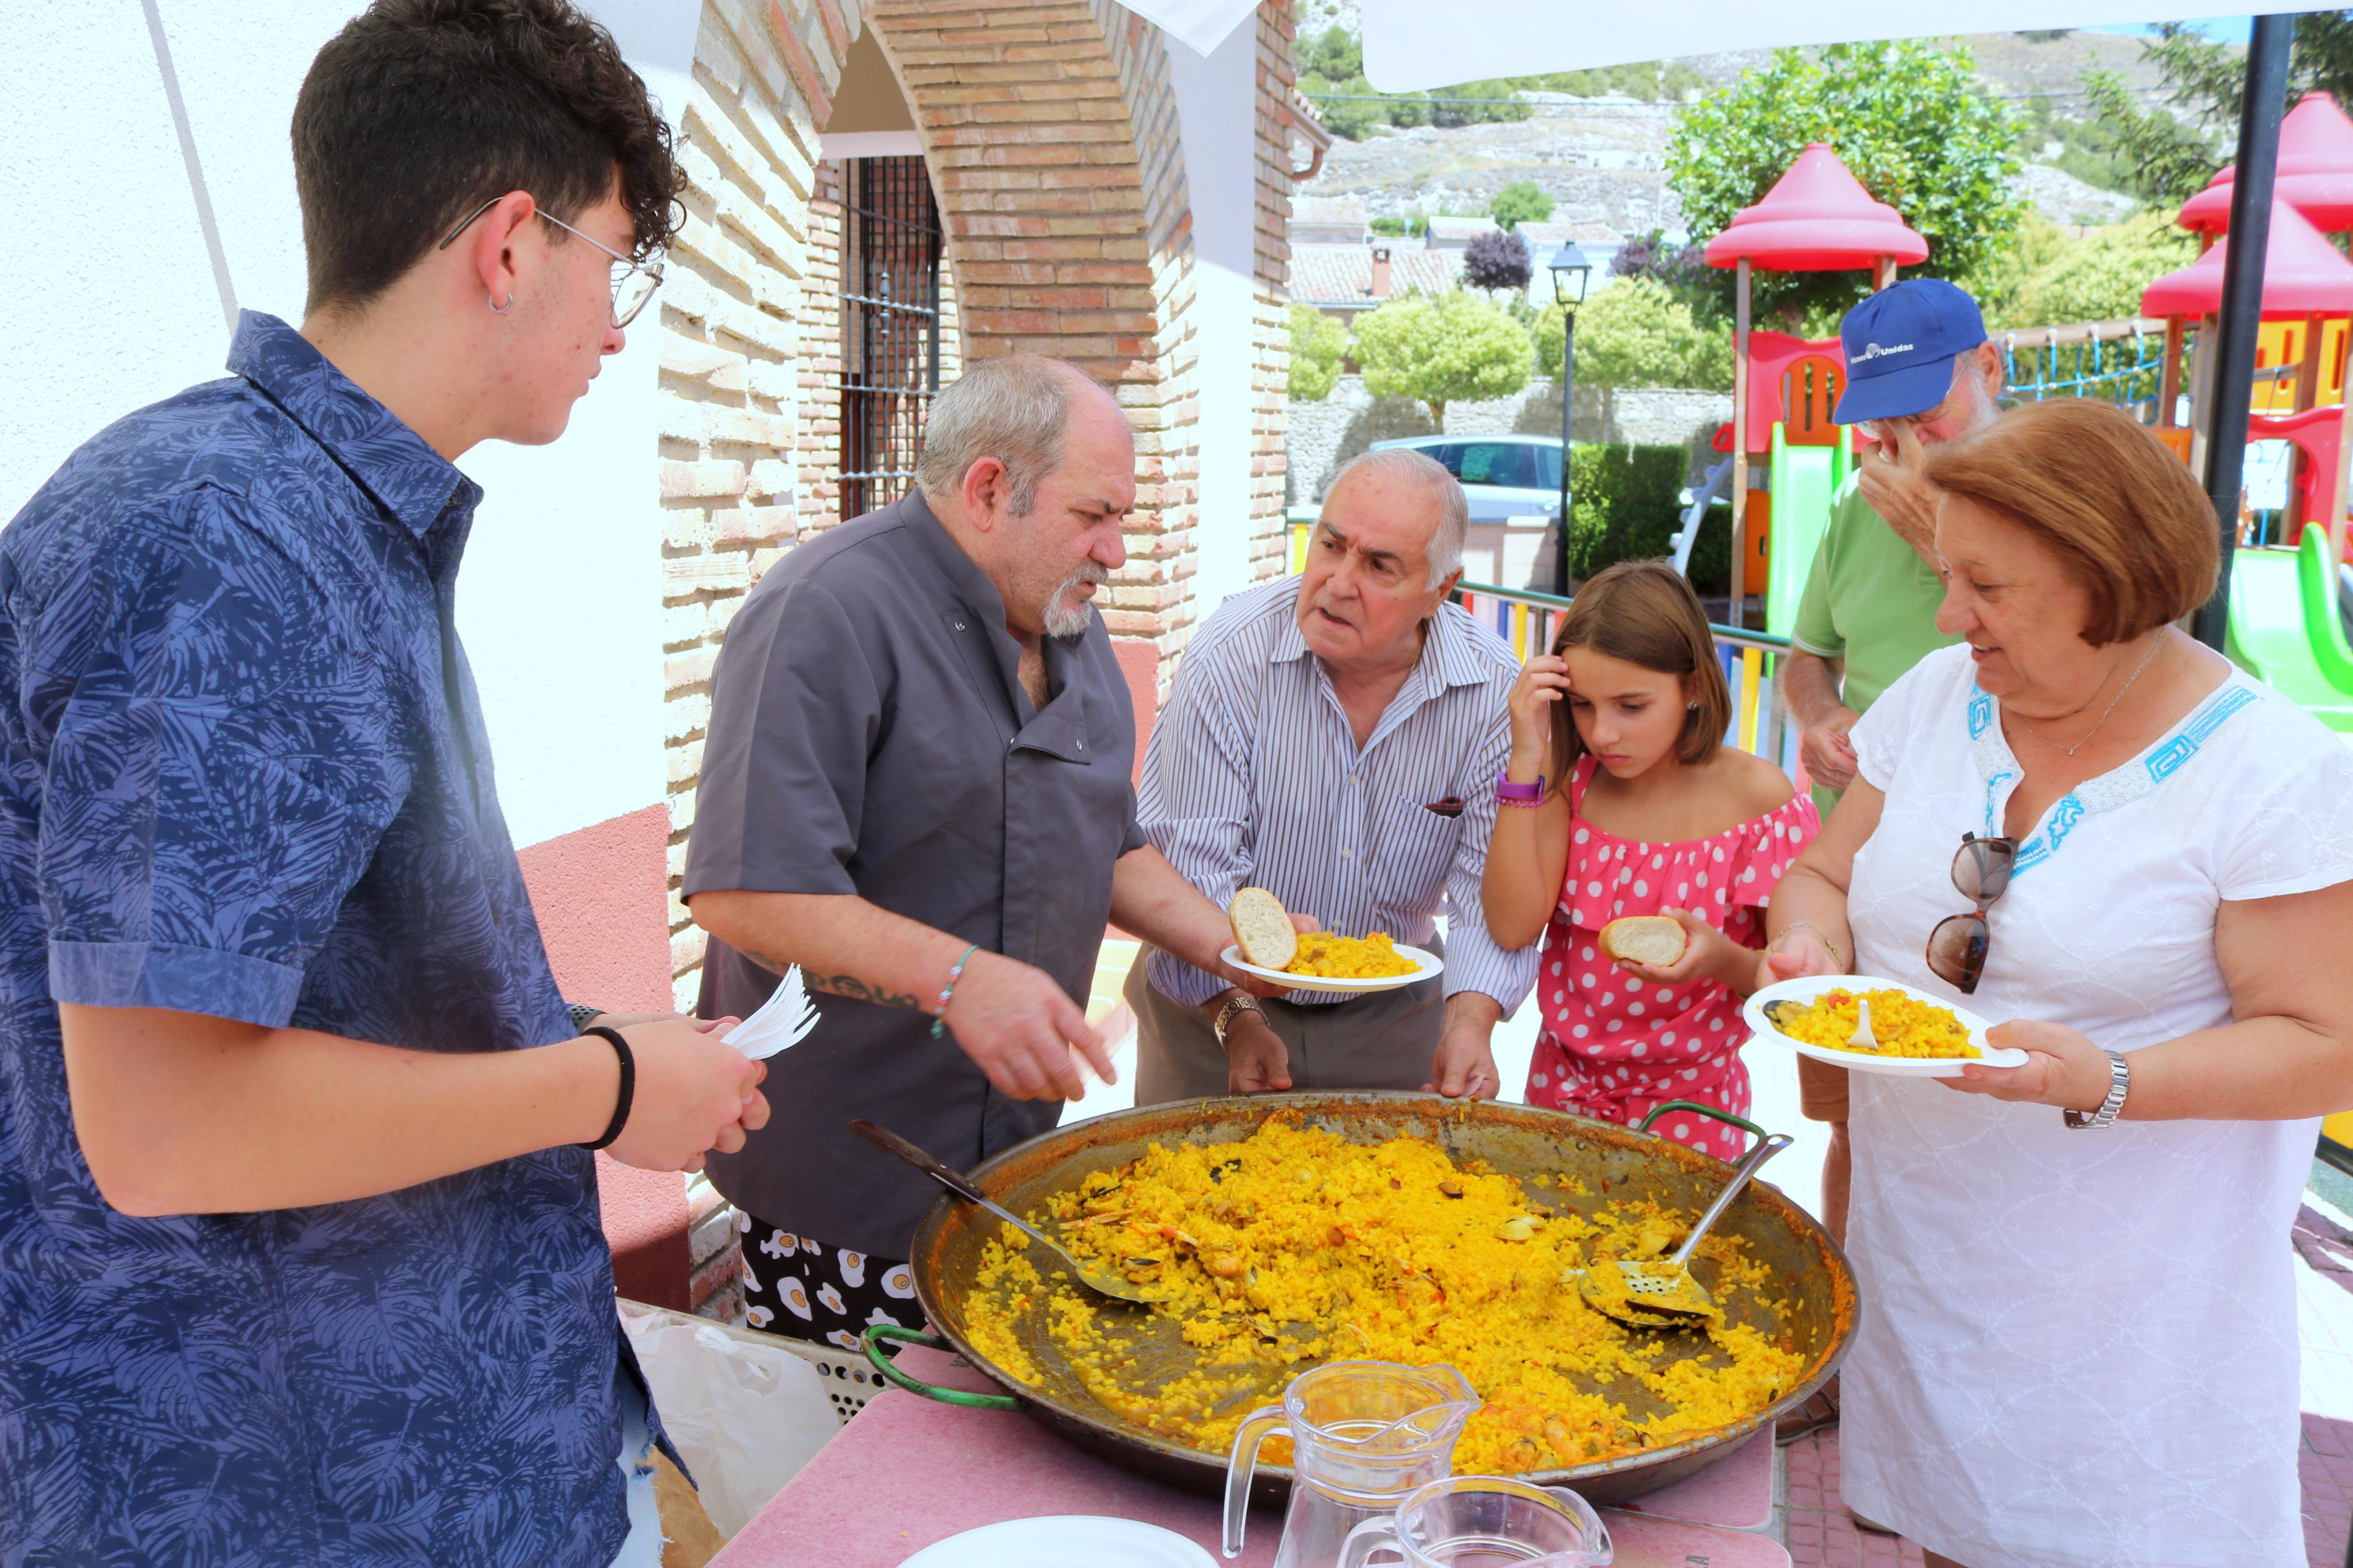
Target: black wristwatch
(583, 1015)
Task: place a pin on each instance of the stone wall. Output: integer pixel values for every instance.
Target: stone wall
(1324, 435)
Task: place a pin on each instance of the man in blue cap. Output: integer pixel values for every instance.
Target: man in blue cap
(1919, 373)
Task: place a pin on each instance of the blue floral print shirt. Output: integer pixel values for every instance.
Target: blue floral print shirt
(243, 773)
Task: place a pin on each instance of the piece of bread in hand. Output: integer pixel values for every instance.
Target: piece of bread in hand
(1654, 940)
(1262, 929)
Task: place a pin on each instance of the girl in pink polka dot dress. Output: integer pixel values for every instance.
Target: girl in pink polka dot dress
(1631, 805)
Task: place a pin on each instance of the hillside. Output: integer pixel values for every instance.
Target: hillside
(1600, 158)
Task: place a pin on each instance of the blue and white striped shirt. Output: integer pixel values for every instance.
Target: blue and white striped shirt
(1254, 779)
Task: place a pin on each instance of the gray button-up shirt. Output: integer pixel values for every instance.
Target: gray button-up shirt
(870, 735)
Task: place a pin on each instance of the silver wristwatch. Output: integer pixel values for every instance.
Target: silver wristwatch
(1240, 1002)
(2120, 1082)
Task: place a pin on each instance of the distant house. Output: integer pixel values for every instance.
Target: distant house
(1343, 280)
(1456, 233)
(1599, 242)
(1327, 220)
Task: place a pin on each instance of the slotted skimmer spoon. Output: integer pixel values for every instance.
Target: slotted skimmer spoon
(1661, 1293)
(1100, 1277)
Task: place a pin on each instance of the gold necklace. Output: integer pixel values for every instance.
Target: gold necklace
(2111, 707)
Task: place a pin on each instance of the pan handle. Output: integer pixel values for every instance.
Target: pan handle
(1739, 1121)
(893, 1375)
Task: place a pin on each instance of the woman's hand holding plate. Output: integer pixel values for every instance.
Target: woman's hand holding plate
(2064, 1068)
(1794, 955)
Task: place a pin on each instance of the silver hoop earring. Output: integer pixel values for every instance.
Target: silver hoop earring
(497, 308)
(1692, 706)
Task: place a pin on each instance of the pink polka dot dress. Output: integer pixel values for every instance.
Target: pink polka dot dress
(1613, 1045)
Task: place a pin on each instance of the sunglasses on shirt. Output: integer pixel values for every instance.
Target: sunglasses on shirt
(1957, 947)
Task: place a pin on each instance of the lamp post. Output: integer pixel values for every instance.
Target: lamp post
(1570, 272)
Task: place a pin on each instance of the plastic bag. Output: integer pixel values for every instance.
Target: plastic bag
(745, 1415)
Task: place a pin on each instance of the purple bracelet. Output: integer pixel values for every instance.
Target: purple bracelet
(1510, 794)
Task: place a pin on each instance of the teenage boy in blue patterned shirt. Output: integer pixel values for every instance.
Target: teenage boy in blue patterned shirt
(300, 1256)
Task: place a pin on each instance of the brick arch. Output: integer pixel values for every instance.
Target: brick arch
(1051, 134)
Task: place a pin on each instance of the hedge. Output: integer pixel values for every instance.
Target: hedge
(1624, 505)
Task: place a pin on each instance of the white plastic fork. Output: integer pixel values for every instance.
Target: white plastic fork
(1864, 1039)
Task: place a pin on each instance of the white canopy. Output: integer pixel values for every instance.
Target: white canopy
(1201, 24)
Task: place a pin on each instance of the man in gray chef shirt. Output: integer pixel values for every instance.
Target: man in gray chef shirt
(916, 787)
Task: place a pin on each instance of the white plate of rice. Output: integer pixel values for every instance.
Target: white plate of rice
(1813, 988)
(1426, 965)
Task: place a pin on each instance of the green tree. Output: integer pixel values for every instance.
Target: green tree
(1522, 201)
(1335, 52)
(2100, 277)
(1347, 116)
(1909, 119)
(1441, 348)
(2163, 160)
(2172, 150)
(1636, 333)
(1319, 346)
(1477, 104)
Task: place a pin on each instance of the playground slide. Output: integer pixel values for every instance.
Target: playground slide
(1803, 479)
(2285, 627)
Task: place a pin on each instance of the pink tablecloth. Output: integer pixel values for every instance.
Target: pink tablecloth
(909, 1471)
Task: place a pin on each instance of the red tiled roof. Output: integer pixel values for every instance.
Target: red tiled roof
(1342, 274)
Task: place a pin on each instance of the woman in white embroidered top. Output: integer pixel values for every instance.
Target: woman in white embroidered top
(2077, 1346)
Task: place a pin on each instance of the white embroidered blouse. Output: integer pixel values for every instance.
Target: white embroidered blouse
(2079, 1348)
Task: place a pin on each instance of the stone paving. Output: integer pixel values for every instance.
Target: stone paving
(1821, 1535)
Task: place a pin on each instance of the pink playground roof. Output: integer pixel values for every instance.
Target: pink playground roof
(2316, 171)
(2304, 275)
(1816, 218)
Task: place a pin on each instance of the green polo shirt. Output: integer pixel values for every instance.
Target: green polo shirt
(1869, 600)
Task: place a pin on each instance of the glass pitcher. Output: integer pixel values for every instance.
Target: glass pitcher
(1484, 1521)
(1364, 1435)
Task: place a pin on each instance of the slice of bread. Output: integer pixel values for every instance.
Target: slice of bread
(1262, 929)
(1654, 940)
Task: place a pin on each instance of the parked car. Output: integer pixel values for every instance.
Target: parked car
(1513, 483)
(1504, 475)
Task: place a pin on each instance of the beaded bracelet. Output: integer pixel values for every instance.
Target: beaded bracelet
(956, 972)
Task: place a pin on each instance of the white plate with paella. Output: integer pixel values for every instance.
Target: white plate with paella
(1323, 965)
(1912, 1034)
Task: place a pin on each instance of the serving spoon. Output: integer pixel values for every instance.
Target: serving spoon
(1096, 1276)
(1663, 1293)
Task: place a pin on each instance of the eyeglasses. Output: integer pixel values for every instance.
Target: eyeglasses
(1957, 947)
(634, 282)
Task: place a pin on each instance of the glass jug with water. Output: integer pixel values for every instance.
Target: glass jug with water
(1364, 1435)
(1484, 1521)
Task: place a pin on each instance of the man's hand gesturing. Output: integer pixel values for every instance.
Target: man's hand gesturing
(1826, 750)
(1256, 1061)
(1021, 1030)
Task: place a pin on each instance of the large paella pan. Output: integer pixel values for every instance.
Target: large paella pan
(1585, 1165)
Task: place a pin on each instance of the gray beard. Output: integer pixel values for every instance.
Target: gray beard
(1068, 619)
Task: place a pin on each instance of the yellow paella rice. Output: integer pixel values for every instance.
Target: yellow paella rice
(1294, 1246)
(1331, 957)
(1903, 1025)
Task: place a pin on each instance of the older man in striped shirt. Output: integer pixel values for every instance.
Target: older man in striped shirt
(1336, 739)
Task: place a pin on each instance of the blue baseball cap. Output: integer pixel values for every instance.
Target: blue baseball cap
(1900, 345)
